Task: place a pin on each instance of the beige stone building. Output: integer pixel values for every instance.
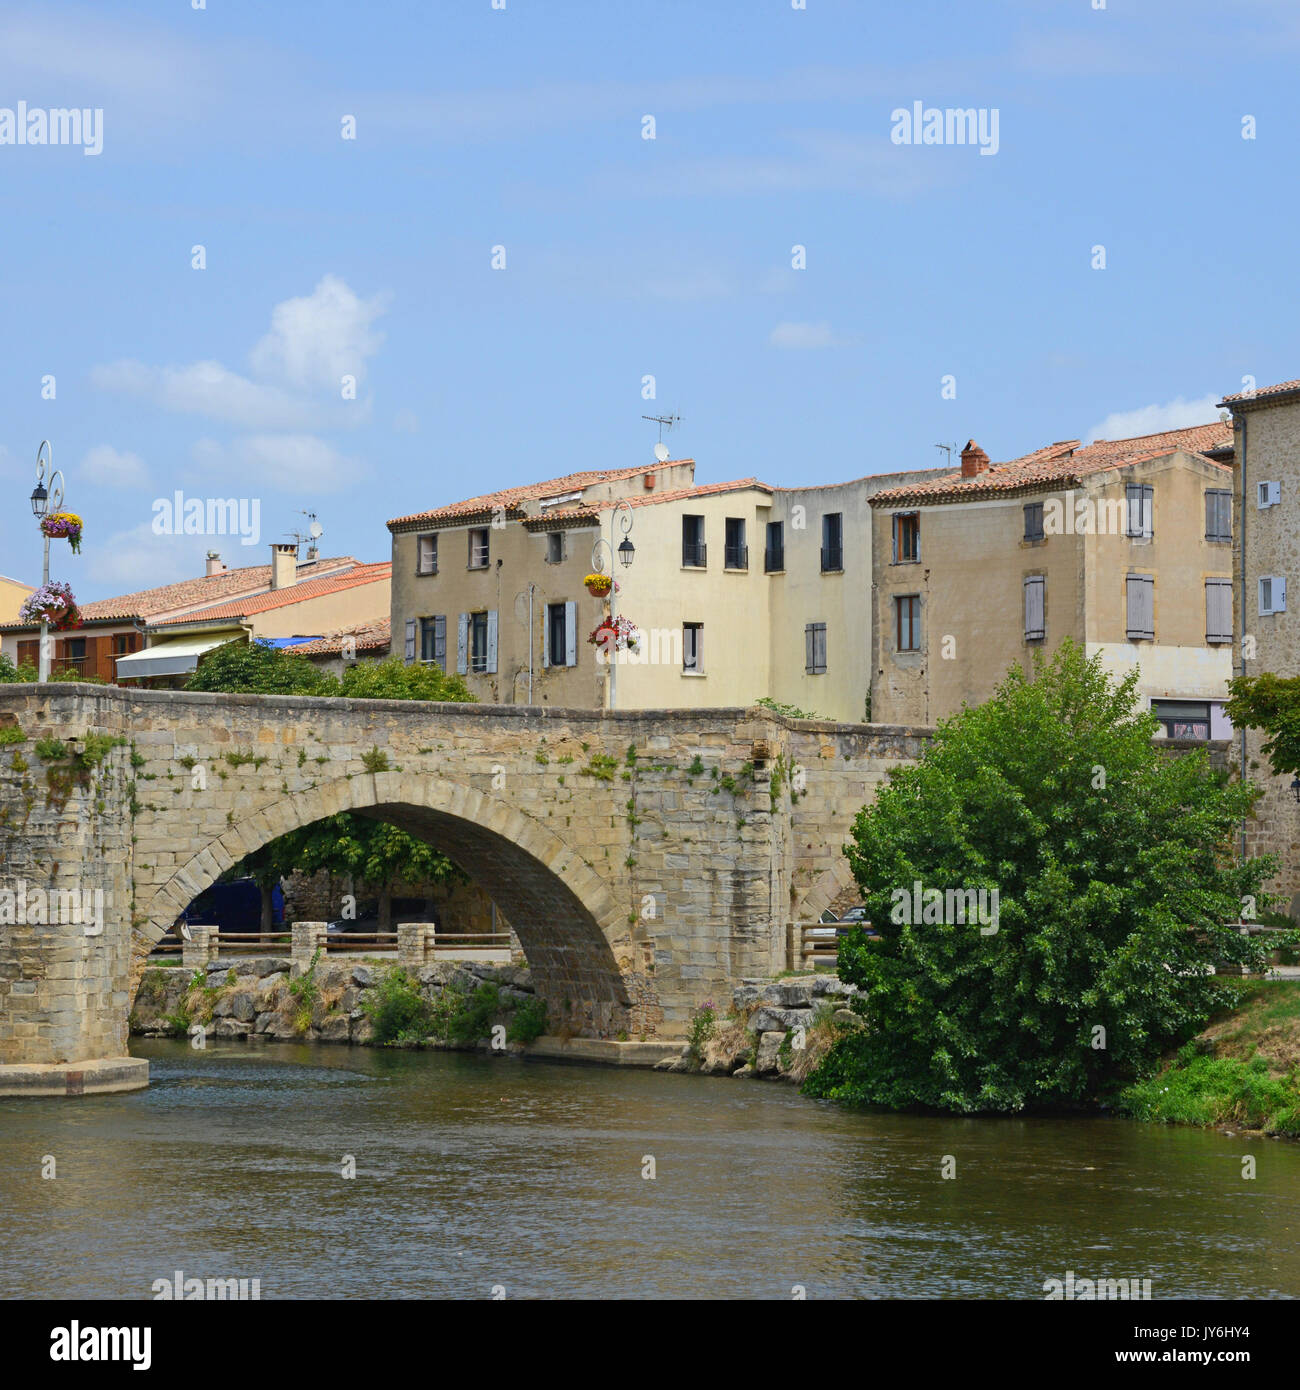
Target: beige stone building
(12, 594)
(1266, 554)
(739, 590)
(1125, 546)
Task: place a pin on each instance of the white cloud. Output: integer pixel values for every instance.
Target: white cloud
(318, 338)
(302, 463)
(205, 388)
(1178, 414)
(805, 335)
(137, 558)
(110, 467)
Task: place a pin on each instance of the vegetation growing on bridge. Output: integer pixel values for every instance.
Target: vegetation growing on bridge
(1117, 887)
(402, 1016)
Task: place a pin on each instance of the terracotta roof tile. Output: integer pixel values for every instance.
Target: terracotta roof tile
(1061, 464)
(367, 636)
(1244, 397)
(282, 598)
(511, 497)
(650, 499)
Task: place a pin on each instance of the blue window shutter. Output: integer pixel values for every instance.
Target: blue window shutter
(492, 641)
(570, 634)
(462, 644)
(410, 641)
(546, 636)
(440, 640)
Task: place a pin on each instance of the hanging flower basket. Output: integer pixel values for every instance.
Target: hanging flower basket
(616, 635)
(63, 526)
(600, 585)
(52, 603)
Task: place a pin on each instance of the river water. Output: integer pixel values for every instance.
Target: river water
(474, 1173)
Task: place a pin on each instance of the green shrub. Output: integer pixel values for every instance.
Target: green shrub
(528, 1023)
(1203, 1090)
(397, 1009)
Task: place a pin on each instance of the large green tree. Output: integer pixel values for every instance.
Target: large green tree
(1270, 703)
(1116, 881)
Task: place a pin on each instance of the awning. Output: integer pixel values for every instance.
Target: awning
(174, 658)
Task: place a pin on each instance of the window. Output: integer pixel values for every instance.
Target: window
(1033, 521)
(476, 643)
(735, 553)
(554, 547)
(559, 636)
(1268, 494)
(907, 537)
(814, 649)
(478, 548)
(1218, 610)
(1140, 498)
(123, 644)
(426, 554)
(1272, 595)
(907, 623)
(433, 641)
(693, 648)
(1218, 514)
(1141, 607)
(1035, 606)
(832, 542)
(774, 553)
(1183, 718)
(694, 554)
(74, 650)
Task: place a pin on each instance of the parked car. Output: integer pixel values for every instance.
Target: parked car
(233, 907)
(855, 917)
(404, 910)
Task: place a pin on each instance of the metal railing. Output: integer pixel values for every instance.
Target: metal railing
(832, 558)
(695, 554)
(735, 557)
(773, 559)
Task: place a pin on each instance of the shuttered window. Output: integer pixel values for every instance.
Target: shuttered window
(814, 646)
(1034, 521)
(1218, 610)
(1141, 504)
(408, 653)
(433, 641)
(1035, 606)
(907, 623)
(426, 554)
(1218, 514)
(1141, 607)
(1272, 594)
(559, 635)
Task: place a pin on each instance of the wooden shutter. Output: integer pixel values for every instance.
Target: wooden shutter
(492, 641)
(462, 644)
(1035, 585)
(1218, 610)
(440, 640)
(1141, 606)
(29, 653)
(410, 640)
(546, 637)
(570, 634)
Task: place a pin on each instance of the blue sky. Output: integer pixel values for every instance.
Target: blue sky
(625, 257)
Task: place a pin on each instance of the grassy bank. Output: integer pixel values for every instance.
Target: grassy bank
(1243, 1070)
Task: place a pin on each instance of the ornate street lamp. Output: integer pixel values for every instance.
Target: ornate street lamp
(622, 511)
(43, 502)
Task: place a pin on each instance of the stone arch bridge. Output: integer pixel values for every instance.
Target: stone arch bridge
(646, 859)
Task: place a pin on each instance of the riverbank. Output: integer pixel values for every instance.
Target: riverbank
(1242, 1072)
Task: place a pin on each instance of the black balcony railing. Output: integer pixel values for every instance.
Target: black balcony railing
(736, 557)
(774, 559)
(694, 554)
(832, 558)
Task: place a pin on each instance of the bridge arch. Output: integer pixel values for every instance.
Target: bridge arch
(563, 913)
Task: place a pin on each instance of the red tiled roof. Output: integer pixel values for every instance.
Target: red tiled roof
(300, 592)
(367, 636)
(649, 499)
(1061, 464)
(1279, 390)
(511, 497)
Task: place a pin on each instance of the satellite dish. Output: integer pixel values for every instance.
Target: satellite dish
(661, 452)
(315, 530)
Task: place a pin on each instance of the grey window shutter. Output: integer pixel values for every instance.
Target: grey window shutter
(570, 634)
(492, 640)
(808, 653)
(410, 640)
(462, 644)
(1034, 587)
(1279, 594)
(1148, 511)
(1148, 591)
(546, 636)
(440, 640)
(1141, 606)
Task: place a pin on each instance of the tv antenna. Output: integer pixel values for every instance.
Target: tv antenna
(314, 530)
(664, 422)
(948, 449)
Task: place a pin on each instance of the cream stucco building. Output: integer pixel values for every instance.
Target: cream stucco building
(1125, 546)
(740, 590)
(12, 594)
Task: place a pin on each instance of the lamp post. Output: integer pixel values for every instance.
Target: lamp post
(42, 503)
(626, 552)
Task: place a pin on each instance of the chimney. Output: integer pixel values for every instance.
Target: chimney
(973, 460)
(284, 564)
(214, 565)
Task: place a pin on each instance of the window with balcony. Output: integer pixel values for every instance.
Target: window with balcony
(832, 542)
(694, 555)
(478, 642)
(433, 641)
(735, 555)
(774, 551)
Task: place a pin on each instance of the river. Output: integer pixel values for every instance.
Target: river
(474, 1173)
